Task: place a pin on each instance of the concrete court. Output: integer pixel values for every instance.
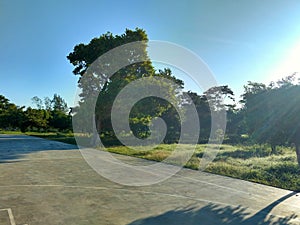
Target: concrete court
(47, 182)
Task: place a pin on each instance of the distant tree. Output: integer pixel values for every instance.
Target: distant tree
(211, 101)
(236, 126)
(255, 107)
(290, 122)
(60, 120)
(37, 102)
(58, 104)
(11, 115)
(216, 97)
(35, 119)
(221, 100)
(273, 113)
(204, 113)
(48, 103)
(59, 117)
(48, 114)
(3, 101)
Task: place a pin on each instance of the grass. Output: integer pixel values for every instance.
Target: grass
(253, 163)
(55, 136)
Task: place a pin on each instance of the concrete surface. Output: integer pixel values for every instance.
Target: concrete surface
(46, 182)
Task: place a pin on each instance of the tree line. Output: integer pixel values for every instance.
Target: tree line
(47, 115)
(266, 113)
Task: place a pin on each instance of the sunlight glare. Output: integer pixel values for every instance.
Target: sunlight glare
(290, 64)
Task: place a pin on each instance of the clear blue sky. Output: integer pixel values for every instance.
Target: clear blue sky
(240, 40)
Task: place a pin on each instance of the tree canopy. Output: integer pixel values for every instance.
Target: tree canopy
(267, 113)
(96, 81)
(50, 114)
(272, 113)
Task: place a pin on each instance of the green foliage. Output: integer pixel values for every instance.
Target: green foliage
(37, 102)
(268, 120)
(58, 104)
(46, 116)
(95, 82)
(60, 120)
(35, 118)
(11, 116)
(204, 112)
(272, 113)
(217, 95)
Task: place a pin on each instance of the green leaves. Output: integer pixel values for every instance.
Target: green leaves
(272, 113)
(10, 114)
(50, 114)
(96, 81)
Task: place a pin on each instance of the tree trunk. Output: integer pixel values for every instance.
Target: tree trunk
(273, 147)
(98, 125)
(95, 135)
(298, 153)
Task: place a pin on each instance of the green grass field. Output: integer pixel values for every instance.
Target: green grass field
(253, 163)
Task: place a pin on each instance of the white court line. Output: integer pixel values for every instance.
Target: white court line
(10, 215)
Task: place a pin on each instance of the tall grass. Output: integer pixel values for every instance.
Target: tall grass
(253, 163)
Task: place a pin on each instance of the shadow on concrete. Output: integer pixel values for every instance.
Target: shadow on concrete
(214, 214)
(14, 147)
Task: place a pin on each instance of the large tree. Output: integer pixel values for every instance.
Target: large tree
(272, 113)
(95, 82)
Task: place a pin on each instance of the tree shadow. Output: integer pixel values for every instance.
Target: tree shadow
(214, 214)
(14, 147)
